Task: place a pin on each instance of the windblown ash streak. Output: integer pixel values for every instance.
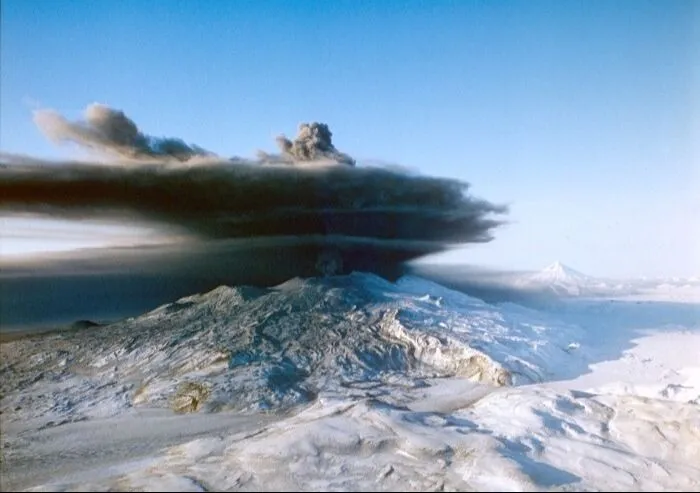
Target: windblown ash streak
(371, 211)
(108, 130)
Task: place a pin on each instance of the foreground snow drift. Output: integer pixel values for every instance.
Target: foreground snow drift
(354, 383)
(527, 438)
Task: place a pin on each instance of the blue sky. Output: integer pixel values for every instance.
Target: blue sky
(583, 116)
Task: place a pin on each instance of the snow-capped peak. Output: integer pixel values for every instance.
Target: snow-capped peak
(558, 278)
(558, 272)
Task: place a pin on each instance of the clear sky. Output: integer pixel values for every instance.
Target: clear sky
(583, 116)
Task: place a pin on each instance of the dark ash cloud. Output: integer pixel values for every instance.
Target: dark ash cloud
(110, 131)
(303, 220)
(371, 212)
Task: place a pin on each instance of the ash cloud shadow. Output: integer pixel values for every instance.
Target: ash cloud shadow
(106, 284)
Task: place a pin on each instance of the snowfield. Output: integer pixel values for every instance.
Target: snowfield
(353, 383)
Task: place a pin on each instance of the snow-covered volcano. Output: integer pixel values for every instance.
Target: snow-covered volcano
(563, 281)
(560, 273)
(255, 349)
(560, 279)
(353, 383)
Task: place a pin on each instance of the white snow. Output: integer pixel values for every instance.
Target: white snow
(558, 272)
(562, 280)
(357, 384)
(558, 278)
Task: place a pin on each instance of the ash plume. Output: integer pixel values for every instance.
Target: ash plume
(110, 131)
(319, 219)
(312, 143)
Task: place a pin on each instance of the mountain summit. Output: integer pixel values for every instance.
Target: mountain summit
(559, 278)
(558, 272)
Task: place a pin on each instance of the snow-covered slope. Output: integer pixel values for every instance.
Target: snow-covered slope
(259, 349)
(355, 383)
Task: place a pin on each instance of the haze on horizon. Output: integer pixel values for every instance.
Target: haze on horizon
(583, 119)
